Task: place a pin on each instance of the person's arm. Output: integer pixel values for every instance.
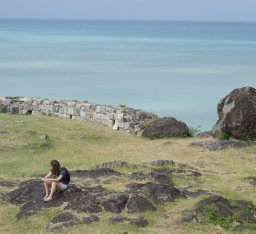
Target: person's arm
(55, 180)
(47, 176)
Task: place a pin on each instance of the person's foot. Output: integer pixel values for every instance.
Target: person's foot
(46, 196)
(48, 199)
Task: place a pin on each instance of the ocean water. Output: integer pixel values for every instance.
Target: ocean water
(179, 69)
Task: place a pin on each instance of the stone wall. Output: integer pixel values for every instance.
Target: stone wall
(118, 118)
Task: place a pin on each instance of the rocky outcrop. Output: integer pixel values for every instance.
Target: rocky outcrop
(215, 145)
(237, 114)
(165, 128)
(204, 134)
(224, 212)
(234, 215)
(86, 200)
(138, 203)
(119, 118)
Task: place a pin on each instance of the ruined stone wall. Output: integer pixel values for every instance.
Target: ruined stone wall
(119, 118)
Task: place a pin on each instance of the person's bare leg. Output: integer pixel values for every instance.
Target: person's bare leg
(55, 186)
(46, 187)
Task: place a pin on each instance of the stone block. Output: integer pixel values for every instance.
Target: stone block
(98, 109)
(7, 102)
(120, 117)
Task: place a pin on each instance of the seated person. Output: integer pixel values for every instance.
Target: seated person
(58, 183)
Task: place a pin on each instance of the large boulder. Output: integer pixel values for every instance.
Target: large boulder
(166, 127)
(237, 114)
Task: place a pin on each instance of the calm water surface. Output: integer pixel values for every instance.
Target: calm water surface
(179, 69)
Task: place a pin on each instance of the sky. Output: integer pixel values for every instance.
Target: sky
(195, 10)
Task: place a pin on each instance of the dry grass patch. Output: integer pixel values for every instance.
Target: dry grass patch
(82, 145)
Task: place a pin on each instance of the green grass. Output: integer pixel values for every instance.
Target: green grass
(25, 153)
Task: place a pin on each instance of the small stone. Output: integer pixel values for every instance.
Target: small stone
(82, 137)
(189, 217)
(118, 219)
(44, 137)
(91, 219)
(204, 134)
(140, 222)
(115, 127)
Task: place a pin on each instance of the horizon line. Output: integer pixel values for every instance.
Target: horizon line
(133, 20)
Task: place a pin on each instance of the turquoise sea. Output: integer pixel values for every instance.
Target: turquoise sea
(179, 69)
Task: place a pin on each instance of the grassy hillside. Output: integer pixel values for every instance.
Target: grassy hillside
(29, 143)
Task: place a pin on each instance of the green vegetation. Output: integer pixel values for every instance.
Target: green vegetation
(227, 222)
(31, 142)
(193, 131)
(223, 136)
(215, 219)
(149, 121)
(122, 105)
(3, 109)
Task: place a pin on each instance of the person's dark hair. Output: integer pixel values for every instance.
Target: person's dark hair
(55, 167)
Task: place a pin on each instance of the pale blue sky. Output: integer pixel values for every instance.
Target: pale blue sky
(207, 10)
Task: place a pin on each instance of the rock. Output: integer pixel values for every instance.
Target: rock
(134, 187)
(195, 193)
(161, 192)
(64, 217)
(113, 164)
(248, 217)
(63, 220)
(165, 128)
(138, 176)
(91, 219)
(216, 204)
(3, 131)
(160, 177)
(252, 180)
(82, 137)
(115, 127)
(139, 204)
(158, 192)
(161, 163)
(95, 173)
(237, 114)
(215, 145)
(189, 217)
(140, 222)
(30, 195)
(44, 137)
(7, 184)
(114, 202)
(118, 219)
(204, 134)
(84, 203)
(226, 212)
(167, 143)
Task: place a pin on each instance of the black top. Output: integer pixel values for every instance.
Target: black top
(66, 177)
